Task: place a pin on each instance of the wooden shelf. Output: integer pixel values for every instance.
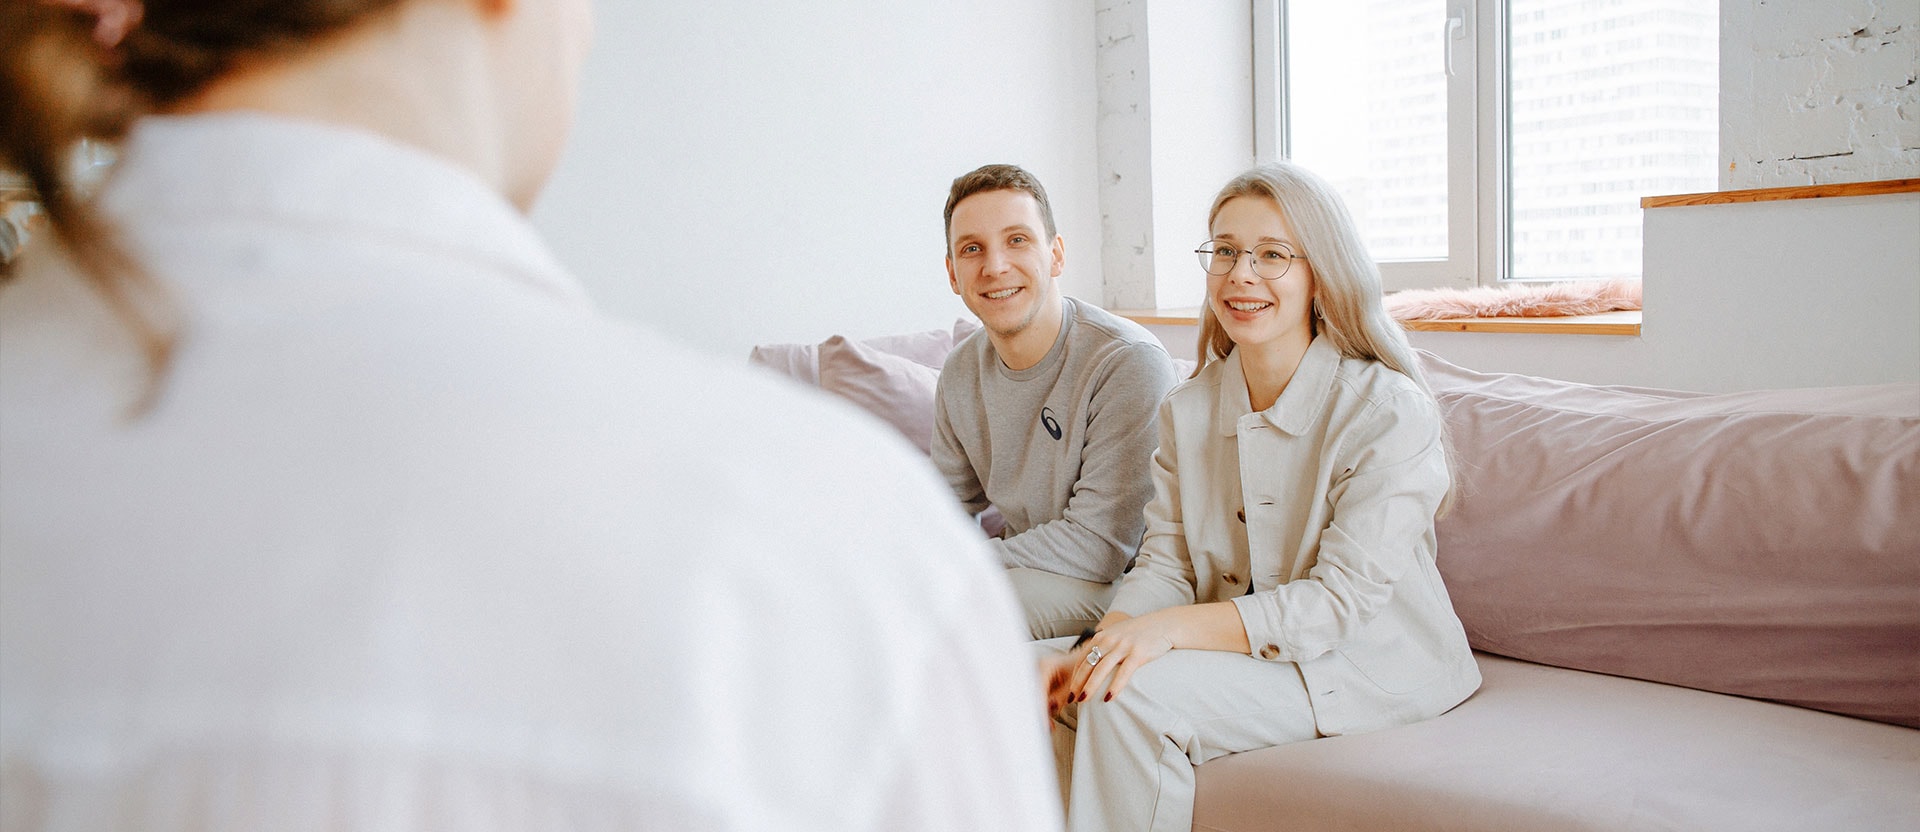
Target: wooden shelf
(1884, 186)
(1605, 323)
(1177, 316)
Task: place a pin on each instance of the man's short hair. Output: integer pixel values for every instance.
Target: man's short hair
(999, 178)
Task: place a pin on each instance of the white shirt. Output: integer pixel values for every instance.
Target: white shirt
(415, 539)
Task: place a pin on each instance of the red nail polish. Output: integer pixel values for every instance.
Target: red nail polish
(1109, 697)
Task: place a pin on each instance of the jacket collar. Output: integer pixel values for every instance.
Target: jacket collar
(1299, 406)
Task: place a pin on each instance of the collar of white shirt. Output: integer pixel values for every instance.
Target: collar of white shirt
(1298, 406)
(263, 168)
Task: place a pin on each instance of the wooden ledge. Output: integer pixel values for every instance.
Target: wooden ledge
(1177, 316)
(1605, 323)
(1884, 186)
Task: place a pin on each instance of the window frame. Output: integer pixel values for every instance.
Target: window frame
(1477, 203)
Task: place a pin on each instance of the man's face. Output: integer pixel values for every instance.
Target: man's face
(1000, 262)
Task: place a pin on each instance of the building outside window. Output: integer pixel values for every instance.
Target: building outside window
(1498, 139)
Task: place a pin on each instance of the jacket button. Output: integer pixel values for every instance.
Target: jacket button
(1269, 652)
(1242, 514)
(1230, 578)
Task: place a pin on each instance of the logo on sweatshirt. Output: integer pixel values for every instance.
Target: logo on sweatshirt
(1047, 421)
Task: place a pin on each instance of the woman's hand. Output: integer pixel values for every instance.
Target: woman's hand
(1056, 672)
(1126, 644)
(1122, 647)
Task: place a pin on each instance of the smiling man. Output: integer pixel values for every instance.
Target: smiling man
(1048, 412)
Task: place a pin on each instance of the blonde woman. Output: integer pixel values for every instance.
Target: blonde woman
(1286, 587)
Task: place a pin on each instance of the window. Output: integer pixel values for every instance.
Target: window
(1485, 140)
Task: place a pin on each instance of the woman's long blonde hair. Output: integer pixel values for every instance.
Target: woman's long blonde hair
(1348, 307)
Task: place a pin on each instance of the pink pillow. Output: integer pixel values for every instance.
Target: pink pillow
(963, 327)
(928, 349)
(1764, 544)
(802, 361)
(896, 389)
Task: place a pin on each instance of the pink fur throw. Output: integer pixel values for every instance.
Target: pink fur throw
(1526, 300)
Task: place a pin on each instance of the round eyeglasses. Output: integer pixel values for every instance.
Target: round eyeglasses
(1270, 260)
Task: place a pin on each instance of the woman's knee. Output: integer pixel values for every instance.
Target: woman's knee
(1146, 697)
(1171, 677)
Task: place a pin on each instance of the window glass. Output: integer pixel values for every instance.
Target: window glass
(1367, 109)
(1608, 101)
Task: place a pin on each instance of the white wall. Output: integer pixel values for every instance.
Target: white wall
(1202, 130)
(1175, 123)
(1795, 293)
(1123, 66)
(747, 172)
(750, 171)
(1818, 92)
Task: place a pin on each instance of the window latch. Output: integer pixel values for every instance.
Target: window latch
(1456, 29)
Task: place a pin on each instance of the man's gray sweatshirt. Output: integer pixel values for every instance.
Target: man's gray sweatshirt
(1063, 448)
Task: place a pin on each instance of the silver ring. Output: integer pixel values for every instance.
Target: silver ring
(1093, 656)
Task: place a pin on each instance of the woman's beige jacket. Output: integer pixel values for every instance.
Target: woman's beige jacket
(1315, 518)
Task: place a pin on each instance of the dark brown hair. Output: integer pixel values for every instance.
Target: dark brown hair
(58, 86)
(998, 178)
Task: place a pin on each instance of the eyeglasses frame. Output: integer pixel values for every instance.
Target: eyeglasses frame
(1206, 250)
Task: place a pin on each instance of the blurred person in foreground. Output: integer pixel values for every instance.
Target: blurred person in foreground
(328, 501)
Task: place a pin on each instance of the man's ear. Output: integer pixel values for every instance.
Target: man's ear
(953, 281)
(1059, 255)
